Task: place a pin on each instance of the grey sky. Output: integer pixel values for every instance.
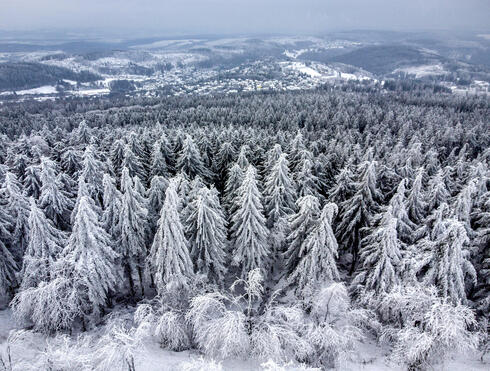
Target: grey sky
(244, 16)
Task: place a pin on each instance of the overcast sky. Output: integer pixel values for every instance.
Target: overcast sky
(244, 16)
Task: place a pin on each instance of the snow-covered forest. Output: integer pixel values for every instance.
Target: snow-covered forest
(289, 228)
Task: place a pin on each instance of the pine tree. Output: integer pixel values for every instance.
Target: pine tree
(319, 253)
(301, 225)
(89, 261)
(206, 227)
(45, 244)
(133, 229)
(53, 199)
(249, 233)
(380, 255)
(170, 259)
(242, 160)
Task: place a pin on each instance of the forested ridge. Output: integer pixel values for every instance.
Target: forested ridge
(286, 226)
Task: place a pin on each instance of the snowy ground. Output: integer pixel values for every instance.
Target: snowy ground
(30, 349)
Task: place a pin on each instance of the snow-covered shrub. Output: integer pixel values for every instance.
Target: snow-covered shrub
(172, 331)
(201, 364)
(426, 328)
(117, 348)
(333, 331)
(277, 334)
(218, 331)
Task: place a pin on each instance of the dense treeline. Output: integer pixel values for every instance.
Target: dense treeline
(26, 75)
(285, 226)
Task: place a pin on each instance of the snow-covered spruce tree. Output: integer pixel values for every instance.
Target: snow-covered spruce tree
(233, 183)
(358, 210)
(463, 206)
(279, 192)
(404, 226)
(92, 173)
(53, 199)
(170, 259)
(343, 188)
(448, 264)
(156, 197)
(32, 181)
(71, 162)
(273, 156)
(17, 206)
(249, 234)
(117, 156)
(296, 147)
(380, 256)
(482, 239)
(206, 227)
(89, 261)
(438, 192)
(301, 225)
(224, 159)
(242, 160)
(112, 202)
(133, 229)
(158, 162)
(416, 200)
(190, 160)
(45, 244)
(133, 163)
(306, 181)
(8, 266)
(318, 264)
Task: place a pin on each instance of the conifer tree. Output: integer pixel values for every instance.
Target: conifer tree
(156, 197)
(112, 203)
(448, 261)
(92, 173)
(133, 229)
(158, 162)
(233, 183)
(206, 227)
(301, 225)
(404, 226)
(279, 192)
(170, 258)
(249, 234)
(190, 160)
(416, 203)
(53, 199)
(358, 211)
(133, 163)
(438, 192)
(32, 181)
(17, 206)
(320, 251)
(45, 244)
(306, 181)
(8, 266)
(380, 256)
(89, 261)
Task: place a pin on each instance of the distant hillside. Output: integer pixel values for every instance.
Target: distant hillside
(384, 59)
(23, 75)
